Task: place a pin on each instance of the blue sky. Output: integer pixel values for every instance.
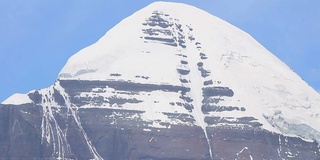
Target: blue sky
(37, 37)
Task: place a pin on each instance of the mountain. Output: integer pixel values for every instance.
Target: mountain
(170, 82)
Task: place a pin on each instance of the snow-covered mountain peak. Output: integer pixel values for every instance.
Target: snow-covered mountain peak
(170, 74)
(177, 44)
(172, 43)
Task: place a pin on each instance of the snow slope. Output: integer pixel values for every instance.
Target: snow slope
(17, 99)
(161, 44)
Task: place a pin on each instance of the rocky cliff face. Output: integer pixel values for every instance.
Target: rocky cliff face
(166, 84)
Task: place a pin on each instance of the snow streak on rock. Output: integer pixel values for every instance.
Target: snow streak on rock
(52, 134)
(57, 111)
(73, 111)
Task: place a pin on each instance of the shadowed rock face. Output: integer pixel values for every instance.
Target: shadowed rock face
(83, 133)
(113, 138)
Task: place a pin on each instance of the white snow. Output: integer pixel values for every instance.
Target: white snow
(147, 130)
(17, 99)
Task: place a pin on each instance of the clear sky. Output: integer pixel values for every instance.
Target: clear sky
(37, 37)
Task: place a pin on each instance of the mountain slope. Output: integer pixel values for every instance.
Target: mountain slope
(169, 82)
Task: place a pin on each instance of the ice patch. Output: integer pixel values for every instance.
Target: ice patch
(293, 127)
